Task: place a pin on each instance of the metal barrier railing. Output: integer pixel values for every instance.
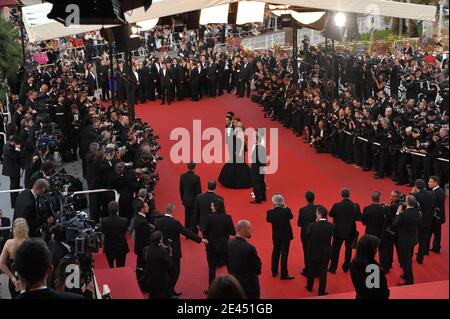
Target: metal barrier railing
(378, 144)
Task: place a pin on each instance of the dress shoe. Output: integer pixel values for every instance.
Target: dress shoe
(287, 277)
(400, 183)
(309, 289)
(436, 251)
(174, 293)
(419, 261)
(205, 291)
(402, 276)
(345, 269)
(174, 297)
(332, 271)
(324, 294)
(274, 274)
(255, 202)
(378, 177)
(304, 273)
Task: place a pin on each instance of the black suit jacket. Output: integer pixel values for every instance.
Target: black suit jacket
(194, 77)
(11, 161)
(203, 207)
(190, 188)
(166, 80)
(245, 264)
(373, 218)
(439, 202)
(218, 229)
(115, 228)
(142, 233)
(425, 201)
(345, 214)
(158, 265)
(172, 229)
(406, 225)
(306, 216)
(26, 207)
(48, 293)
(319, 235)
(280, 218)
(92, 83)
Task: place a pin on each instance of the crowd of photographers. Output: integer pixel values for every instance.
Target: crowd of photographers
(387, 112)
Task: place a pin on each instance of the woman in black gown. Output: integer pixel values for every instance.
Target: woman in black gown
(236, 173)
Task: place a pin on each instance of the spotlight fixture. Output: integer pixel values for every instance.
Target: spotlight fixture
(340, 19)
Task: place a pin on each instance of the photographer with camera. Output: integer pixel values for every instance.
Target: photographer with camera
(158, 267)
(406, 225)
(27, 207)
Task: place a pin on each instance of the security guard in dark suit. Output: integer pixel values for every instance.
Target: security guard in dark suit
(190, 188)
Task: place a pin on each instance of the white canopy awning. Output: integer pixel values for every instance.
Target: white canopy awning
(39, 28)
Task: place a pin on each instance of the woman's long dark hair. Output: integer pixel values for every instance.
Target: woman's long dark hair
(366, 249)
(219, 206)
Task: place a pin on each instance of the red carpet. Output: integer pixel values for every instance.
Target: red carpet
(300, 169)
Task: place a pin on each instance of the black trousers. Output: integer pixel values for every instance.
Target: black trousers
(317, 268)
(386, 251)
(118, 258)
(280, 250)
(179, 88)
(105, 90)
(215, 260)
(189, 219)
(166, 93)
(175, 273)
(424, 242)
(194, 92)
(305, 256)
(14, 183)
(405, 252)
(259, 185)
(140, 265)
(337, 243)
(436, 231)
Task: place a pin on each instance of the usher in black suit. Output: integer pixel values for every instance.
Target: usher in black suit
(190, 188)
(115, 245)
(345, 214)
(11, 168)
(258, 161)
(319, 252)
(306, 216)
(218, 229)
(203, 207)
(439, 202)
(280, 218)
(373, 217)
(406, 225)
(426, 208)
(26, 207)
(244, 264)
(171, 230)
(142, 233)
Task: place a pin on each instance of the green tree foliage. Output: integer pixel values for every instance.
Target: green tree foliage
(10, 49)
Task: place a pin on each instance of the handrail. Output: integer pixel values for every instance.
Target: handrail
(378, 144)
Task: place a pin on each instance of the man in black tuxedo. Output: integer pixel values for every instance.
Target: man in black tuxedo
(178, 74)
(142, 232)
(306, 216)
(345, 214)
(134, 85)
(406, 225)
(190, 188)
(171, 230)
(211, 76)
(27, 207)
(374, 215)
(426, 208)
(243, 260)
(229, 131)
(33, 265)
(439, 212)
(319, 250)
(121, 82)
(194, 81)
(259, 160)
(114, 228)
(166, 80)
(91, 80)
(11, 165)
(219, 227)
(280, 218)
(203, 204)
